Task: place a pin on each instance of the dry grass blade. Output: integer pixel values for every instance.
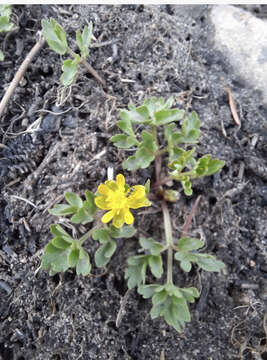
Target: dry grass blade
(233, 107)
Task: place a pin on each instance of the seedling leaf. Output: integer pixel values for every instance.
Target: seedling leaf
(69, 68)
(55, 36)
(84, 39)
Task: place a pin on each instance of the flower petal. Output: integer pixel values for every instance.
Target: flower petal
(128, 217)
(100, 202)
(111, 185)
(120, 180)
(118, 219)
(138, 198)
(103, 189)
(107, 217)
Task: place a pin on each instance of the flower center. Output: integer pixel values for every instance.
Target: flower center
(117, 199)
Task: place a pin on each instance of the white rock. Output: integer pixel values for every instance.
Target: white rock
(242, 38)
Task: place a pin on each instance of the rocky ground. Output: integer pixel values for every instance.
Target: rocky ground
(141, 51)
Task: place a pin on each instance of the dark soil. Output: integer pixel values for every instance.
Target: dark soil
(152, 51)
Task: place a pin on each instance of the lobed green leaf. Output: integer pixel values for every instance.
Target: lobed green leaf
(55, 259)
(150, 244)
(84, 39)
(147, 291)
(155, 264)
(73, 199)
(163, 117)
(5, 25)
(69, 68)
(123, 141)
(125, 232)
(188, 244)
(5, 10)
(190, 130)
(83, 266)
(136, 272)
(207, 166)
(144, 155)
(55, 36)
(104, 253)
(125, 123)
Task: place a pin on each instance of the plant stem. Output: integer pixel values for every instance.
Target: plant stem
(162, 151)
(162, 182)
(169, 240)
(190, 217)
(86, 236)
(90, 69)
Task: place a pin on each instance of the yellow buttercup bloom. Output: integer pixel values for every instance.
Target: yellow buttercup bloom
(117, 197)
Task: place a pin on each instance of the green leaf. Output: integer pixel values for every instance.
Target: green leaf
(204, 261)
(188, 244)
(69, 69)
(139, 115)
(187, 186)
(5, 10)
(55, 259)
(81, 217)
(168, 132)
(171, 195)
(155, 264)
(173, 290)
(89, 204)
(155, 105)
(207, 166)
(73, 257)
(60, 243)
(123, 141)
(186, 265)
(159, 297)
(55, 36)
(147, 291)
(83, 40)
(125, 123)
(190, 130)
(73, 199)
(163, 117)
(5, 25)
(125, 232)
(104, 253)
(136, 272)
(102, 235)
(182, 159)
(156, 311)
(144, 155)
(147, 186)
(58, 231)
(170, 302)
(62, 210)
(150, 244)
(190, 294)
(83, 266)
(2, 57)
(209, 263)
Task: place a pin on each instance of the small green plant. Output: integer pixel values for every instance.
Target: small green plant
(157, 120)
(56, 38)
(5, 24)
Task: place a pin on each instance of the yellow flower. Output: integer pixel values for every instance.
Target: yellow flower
(117, 197)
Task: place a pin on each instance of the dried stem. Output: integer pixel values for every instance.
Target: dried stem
(190, 217)
(90, 69)
(169, 240)
(20, 73)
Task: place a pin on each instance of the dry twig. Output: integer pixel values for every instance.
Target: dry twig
(20, 73)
